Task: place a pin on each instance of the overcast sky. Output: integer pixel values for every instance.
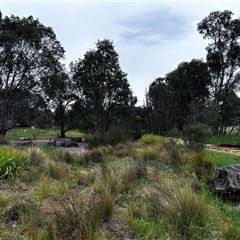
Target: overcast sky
(151, 38)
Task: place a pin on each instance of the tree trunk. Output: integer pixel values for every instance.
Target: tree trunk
(2, 133)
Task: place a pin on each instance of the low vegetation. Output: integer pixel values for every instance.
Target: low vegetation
(149, 189)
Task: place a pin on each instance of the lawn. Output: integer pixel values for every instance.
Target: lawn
(16, 133)
(225, 139)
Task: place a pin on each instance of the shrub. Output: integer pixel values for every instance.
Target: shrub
(115, 135)
(12, 162)
(149, 139)
(195, 136)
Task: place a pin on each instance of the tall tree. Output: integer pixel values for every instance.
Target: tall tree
(105, 96)
(59, 91)
(223, 59)
(28, 51)
(189, 84)
(160, 107)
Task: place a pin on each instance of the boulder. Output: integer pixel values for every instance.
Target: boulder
(227, 181)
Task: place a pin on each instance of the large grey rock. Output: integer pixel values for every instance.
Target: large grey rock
(227, 181)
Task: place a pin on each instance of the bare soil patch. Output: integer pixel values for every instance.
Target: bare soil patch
(78, 148)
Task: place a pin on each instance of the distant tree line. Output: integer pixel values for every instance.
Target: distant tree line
(94, 95)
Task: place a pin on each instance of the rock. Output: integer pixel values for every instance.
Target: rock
(227, 182)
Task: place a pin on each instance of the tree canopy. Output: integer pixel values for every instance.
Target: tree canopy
(223, 59)
(105, 96)
(28, 51)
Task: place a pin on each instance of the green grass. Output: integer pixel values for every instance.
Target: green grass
(227, 139)
(16, 133)
(223, 159)
(117, 194)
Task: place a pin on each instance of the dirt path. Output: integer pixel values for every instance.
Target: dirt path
(226, 149)
(230, 150)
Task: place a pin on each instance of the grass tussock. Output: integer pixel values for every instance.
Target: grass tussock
(132, 190)
(202, 165)
(185, 211)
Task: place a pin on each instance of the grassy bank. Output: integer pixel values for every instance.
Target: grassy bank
(150, 189)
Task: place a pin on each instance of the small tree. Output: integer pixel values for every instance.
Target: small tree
(195, 136)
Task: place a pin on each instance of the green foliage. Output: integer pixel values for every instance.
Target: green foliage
(189, 85)
(196, 136)
(223, 62)
(150, 139)
(105, 96)
(12, 162)
(115, 135)
(25, 44)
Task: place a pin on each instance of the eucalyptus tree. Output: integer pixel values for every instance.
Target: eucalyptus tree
(28, 51)
(105, 96)
(60, 94)
(189, 84)
(160, 107)
(223, 59)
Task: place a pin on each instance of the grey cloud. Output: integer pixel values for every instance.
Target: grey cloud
(155, 26)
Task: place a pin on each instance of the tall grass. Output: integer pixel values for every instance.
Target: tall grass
(185, 211)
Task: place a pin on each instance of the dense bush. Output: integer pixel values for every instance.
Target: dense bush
(149, 139)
